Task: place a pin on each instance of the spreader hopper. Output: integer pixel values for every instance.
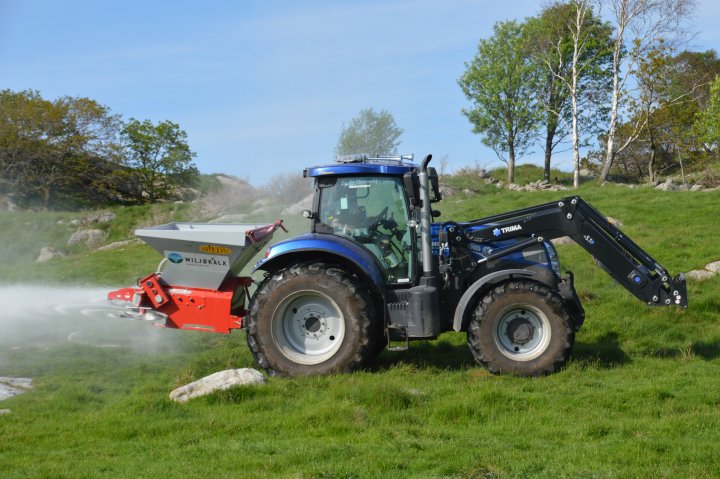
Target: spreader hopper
(201, 255)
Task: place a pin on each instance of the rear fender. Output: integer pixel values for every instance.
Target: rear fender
(327, 249)
(468, 298)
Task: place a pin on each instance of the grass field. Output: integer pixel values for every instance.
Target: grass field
(639, 398)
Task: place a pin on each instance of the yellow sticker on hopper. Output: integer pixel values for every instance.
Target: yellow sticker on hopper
(214, 249)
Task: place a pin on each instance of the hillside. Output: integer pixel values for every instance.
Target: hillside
(639, 397)
(99, 247)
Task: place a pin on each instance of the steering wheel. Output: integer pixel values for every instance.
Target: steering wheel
(374, 221)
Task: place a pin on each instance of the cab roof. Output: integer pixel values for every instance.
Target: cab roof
(363, 165)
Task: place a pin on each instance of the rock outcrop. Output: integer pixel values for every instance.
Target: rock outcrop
(93, 238)
(48, 253)
(539, 185)
(671, 185)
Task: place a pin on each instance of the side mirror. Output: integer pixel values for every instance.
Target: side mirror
(412, 187)
(433, 177)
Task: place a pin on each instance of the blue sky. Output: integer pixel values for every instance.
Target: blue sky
(264, 88)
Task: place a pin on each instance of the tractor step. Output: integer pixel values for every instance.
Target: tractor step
(397, 348)
(405, 342)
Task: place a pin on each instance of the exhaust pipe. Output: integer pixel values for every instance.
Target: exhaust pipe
(426, 219)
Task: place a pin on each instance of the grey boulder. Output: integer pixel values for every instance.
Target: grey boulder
(219, 381)
(699, 275)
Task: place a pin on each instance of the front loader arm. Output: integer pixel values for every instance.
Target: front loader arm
(618, 255)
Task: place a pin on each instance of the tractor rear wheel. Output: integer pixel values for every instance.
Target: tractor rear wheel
(523, 328)
(311, 319)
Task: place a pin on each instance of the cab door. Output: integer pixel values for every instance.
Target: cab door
(372, 210)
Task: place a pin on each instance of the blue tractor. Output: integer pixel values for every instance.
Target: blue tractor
(377, 266)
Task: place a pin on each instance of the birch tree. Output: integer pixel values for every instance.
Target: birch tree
(574, 46)
(640, 26)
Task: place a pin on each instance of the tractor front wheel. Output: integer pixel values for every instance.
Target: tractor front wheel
(523, 328)
(310, 319)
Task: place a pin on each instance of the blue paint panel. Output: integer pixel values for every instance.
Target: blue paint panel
(329, 244)
(374, 168)
(477, 247)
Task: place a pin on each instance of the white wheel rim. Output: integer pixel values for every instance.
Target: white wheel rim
(522, 333)
(308, 327)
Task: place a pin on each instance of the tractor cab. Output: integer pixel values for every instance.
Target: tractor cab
(367, 200)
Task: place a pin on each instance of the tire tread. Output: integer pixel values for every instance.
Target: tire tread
(562, 327)
(331, 277)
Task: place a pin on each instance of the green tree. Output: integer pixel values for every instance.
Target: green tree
(641, 26)
(53, 152)
(691, 77)
(23, 119)
(160, 158)
(374, 133)
(708, 121)
(695, 72)
(659, 135)
(573, 50)
(502, 83)
(650, 118)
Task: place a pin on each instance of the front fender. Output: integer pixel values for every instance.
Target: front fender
(467, 297)
(325, 248)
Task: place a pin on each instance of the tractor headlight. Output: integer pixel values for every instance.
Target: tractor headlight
(553, 258)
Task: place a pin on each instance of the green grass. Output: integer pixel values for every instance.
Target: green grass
(639, 398)
(98, 412)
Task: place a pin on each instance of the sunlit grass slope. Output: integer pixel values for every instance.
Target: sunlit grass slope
(639, 398)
